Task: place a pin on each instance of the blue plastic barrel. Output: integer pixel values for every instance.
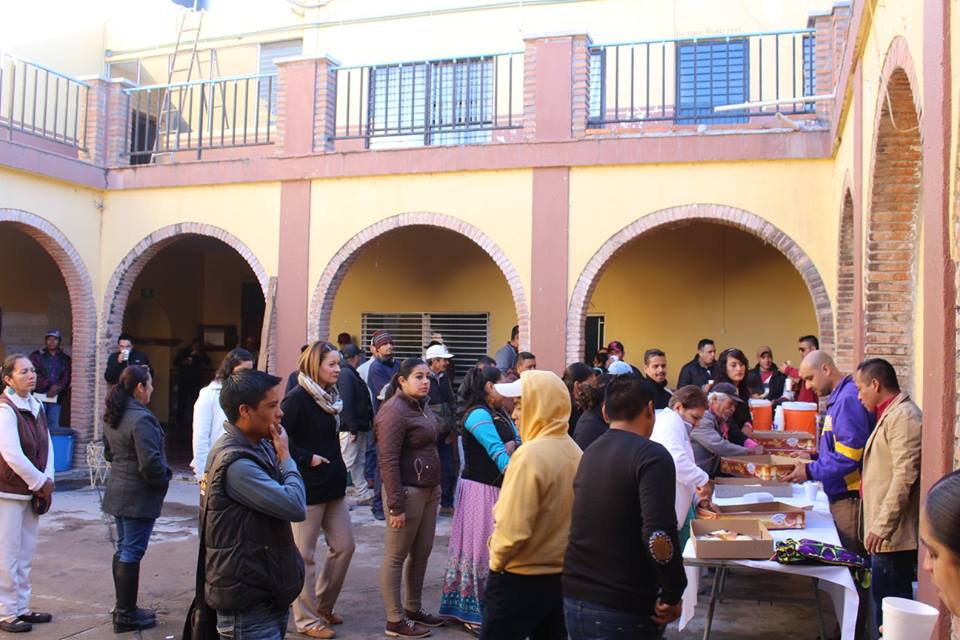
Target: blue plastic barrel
(62, 448)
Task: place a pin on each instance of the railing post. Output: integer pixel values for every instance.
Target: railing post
(103, 121)
(830, 39)
(555, 85)
(306, 104)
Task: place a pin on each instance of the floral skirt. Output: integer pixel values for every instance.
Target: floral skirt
(468, 559)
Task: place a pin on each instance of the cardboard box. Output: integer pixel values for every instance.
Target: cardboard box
(773, 515)
(739, 487)
(765, 467)
(784, 441)
(760, 548)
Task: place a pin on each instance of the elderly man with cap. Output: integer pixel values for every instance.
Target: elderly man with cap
(711, 438)
(356, 420)
(383, 367)
(766, 380)
(53, 375)
(444, 407)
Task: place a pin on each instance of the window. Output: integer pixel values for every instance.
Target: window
(466, 335)
(712, 73)
(431, 103)
(809, 70)
(597, 106)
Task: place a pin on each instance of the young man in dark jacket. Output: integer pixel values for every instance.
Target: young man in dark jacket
(53, 375)
(703, 368)
(444, 407)
(124, 356)
(250, 493)
(766, 379)
(356, 420)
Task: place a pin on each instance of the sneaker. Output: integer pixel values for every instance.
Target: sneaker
(405, 629)
(36, 617)
(424, 618)
(331, 618)
(364, 502)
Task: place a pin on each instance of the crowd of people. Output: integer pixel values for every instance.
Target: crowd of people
(570, 496)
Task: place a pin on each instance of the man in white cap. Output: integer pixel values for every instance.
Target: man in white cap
(444, 407)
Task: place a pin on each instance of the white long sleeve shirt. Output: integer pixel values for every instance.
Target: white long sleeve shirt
(671, 431)
(12, 452)
(208, 419)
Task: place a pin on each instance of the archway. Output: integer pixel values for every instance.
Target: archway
(893, 227)
(179, 285)
(466, 237)
(846, 287)
(694, 214)
(77, 308)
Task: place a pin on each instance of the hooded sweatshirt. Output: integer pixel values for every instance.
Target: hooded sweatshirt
(532, 514)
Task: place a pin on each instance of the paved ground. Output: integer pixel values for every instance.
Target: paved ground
(71, 578)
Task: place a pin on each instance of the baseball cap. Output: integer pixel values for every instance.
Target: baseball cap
(509, 389)
(437, 351)
(619, 368)
(615, 345)
(762, 349)
(728, 389)
(53, 333)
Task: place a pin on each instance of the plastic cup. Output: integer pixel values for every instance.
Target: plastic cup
(908, 619)
(810, 491)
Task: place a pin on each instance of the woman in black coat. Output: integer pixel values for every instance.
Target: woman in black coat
(139, 476)
(312, 420)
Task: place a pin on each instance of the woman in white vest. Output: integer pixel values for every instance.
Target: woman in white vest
(208, 417)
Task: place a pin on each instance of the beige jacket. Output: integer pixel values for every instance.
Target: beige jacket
(891, 477)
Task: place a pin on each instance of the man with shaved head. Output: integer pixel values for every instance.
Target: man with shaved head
(846, 427)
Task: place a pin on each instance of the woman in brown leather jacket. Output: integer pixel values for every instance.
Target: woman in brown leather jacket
(410, 467)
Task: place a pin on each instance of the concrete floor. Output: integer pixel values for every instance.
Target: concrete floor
(71, 579)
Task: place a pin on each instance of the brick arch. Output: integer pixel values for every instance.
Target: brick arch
(117, 292)
(713, 213)
(324, 294)
(845, 351)
(893, 223)
(83, 313)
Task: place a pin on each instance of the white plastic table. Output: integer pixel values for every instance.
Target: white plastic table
(834, 580)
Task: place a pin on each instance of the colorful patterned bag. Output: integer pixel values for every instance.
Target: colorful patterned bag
(815, 552)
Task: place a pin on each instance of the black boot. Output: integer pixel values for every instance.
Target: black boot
(127, 616)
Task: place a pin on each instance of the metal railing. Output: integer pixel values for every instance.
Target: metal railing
(682, 80)
(432, 102)
(235, 111)
(42, 102)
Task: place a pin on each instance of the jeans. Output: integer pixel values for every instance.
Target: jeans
(520, 606)
(892, 575)
(371, 469)
(448, 473)
(590, 621)
(133, 534)
(262, 622)
(52, 409)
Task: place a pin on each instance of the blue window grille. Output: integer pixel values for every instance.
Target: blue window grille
(712, 73)
(809, 70)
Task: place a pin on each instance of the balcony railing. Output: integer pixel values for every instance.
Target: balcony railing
(681, 81)
(238, 111)
(434, 102)
(42, 102)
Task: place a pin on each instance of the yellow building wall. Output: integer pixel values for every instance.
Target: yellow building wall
(424, 269)
(498, 203)
(672, 287)
(792, 194)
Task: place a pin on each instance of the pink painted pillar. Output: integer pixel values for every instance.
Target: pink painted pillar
(103, 121)
(555, 85)
(293, 273)
(550, 258)
(306, 104)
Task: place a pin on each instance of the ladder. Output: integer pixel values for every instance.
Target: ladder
(186, 60)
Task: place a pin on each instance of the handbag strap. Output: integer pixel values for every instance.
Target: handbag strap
(202, 551)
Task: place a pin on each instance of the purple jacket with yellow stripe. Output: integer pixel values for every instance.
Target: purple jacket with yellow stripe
(846, 427)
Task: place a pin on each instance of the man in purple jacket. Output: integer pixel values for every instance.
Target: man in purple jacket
(53, 374)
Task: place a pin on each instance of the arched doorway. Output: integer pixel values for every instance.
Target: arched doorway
(705, 271)
(187, 298)
(464, 282)
(893, 227)
(420, 274)
(846, 287)
(48, 287)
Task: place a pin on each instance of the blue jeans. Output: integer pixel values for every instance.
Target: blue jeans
(448, 474)
(590, 621)
(891, 575)
(133, 535)
(371, 469)
(262, 622)
(52, 409)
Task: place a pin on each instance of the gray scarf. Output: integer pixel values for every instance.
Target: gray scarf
(329, 401)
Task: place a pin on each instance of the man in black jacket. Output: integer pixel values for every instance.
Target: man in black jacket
(703, 368)
(765, 379)
(655, 370)
(356, 420)
(627, 573)
(250, 493)
(444, 407)
(124, 355)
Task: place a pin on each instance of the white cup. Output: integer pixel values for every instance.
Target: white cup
(810, 491)
(908, 619)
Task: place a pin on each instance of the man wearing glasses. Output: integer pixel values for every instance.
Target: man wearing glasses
(805, 345)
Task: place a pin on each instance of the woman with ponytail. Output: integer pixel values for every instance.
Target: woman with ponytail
(489, 439)
(133, 442)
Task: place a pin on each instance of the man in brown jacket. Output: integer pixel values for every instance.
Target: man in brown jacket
(891, 482)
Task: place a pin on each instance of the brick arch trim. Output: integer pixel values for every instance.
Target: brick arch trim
(324, 294)
(846, 323)
(713, 213)
(117, 292)
(83, 312)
